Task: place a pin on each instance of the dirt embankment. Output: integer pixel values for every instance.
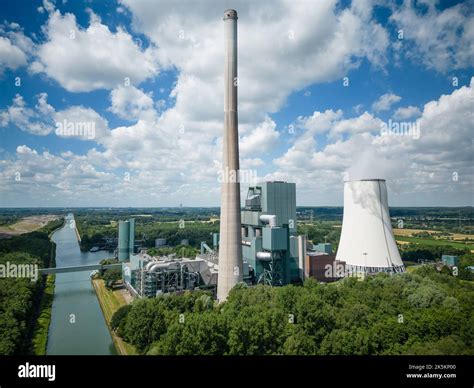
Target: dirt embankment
(27, 225)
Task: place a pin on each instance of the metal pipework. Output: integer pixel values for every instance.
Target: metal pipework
(264, 256)
(270, 219)
(230, 248)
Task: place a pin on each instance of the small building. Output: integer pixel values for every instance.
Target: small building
(160, 242)
(323, 247)
(324, 267)
(449, 260)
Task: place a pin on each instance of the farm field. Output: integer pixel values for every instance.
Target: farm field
(429, 241)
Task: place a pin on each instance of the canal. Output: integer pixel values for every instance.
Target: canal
(77, 323)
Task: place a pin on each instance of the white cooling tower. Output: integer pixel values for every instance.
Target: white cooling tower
(367, 244)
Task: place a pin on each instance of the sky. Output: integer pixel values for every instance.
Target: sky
(120, 103)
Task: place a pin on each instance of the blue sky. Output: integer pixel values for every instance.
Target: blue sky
(317, 82)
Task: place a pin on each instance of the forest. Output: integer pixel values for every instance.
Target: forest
(20, 298)
(423, 312)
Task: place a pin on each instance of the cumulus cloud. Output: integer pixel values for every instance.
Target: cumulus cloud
(130, 103)
(406, 113)
(51, 180)
(261, 140)
(37, 120)
(440, 39)
(385, 102)
(85, 59)
(301, 36)
(73, 122)
(15, 47)
(81, 123)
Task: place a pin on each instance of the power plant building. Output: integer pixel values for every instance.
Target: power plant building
(149, 276)
(269, 241)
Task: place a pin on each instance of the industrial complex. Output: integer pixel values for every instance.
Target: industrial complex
(259, 244)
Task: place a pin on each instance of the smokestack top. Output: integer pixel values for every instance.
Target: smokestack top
(230, 14)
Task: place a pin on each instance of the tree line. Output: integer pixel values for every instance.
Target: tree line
(20, 298)
(424, 312)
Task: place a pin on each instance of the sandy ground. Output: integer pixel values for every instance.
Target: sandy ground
(27, 224)
(402, 242)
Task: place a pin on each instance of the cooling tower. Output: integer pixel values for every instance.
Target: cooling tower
(230, 245)
(367, 244)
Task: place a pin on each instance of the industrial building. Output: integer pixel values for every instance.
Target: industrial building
(324, 267)
(449, 260)
(148, 276)
(269, 242)
(367, 244)
(126, 239)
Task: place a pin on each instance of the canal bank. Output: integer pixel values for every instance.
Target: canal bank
(77, 324)
(110, 301)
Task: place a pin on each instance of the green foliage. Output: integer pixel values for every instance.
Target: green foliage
(111, 276)
(422, 251)
(41, 330)
(16, 305)
(119, 317)
(145, 323)
(21, 300)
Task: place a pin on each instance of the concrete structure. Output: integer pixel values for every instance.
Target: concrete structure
(126, 239)
(367, 244)
(230, 250)
(160, 242)
(302, 244)
(80, 268)
(450, 260)
(269, 242)
(215, 240)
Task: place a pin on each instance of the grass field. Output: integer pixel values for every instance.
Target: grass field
(40, 336)
(110, 301)
(429, 241)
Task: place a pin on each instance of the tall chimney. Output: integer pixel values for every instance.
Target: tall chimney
(230, 246)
